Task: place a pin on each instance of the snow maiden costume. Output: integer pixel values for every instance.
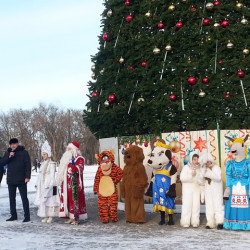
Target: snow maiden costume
(210, 174)
(237, 209)
(48, 202)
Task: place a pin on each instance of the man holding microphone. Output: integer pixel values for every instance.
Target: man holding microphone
(18, 175)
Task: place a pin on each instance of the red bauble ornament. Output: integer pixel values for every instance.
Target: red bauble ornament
(94, 94)
(145, 144)
(129, 18)
(206, 21)
(192, 80)
(227, 95)
(193, 9)
(105, 36)
(224, 24)
(216, 3)
(127, 3)
(172, 97)
(241, 73)
(144, 64)
(112, 98)
(160, 25)
(205, 80)
(130, 68)
(179, 24)
(220, 61)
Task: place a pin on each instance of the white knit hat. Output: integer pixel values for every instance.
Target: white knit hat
(46, 148)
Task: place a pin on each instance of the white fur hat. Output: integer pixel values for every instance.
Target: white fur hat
(192, 154)
(46, 148)
(205, 158)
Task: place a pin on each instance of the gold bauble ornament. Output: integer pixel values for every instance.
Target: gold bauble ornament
(244, 20)
(121, 60)
(216, 24)
(148, 14)
(202, 94)
(171, 7)
(245, 51)
(93, 68)
(208, 38)
(89, 110)
(93, 76)
(168, 47)
(102, 71)
(175, 146)
(141, 100)
(239, 5)
(184, 1)
(156, 51)
(106, 103)
(209, 6)
(109, 13)
(230, 45)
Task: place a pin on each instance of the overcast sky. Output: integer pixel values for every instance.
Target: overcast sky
(45, 48)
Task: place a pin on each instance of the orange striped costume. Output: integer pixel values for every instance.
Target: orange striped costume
(107, 176)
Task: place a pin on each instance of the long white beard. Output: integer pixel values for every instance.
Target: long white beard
(64, 162)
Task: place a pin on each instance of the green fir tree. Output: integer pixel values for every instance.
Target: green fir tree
(170, 66)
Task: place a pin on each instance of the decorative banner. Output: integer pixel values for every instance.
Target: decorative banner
(183, 143)
(108, 144)
(226, 145)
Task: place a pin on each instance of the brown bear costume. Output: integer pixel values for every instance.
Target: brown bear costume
(133, 184)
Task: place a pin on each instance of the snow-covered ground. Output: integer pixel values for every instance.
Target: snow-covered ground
(92, 234)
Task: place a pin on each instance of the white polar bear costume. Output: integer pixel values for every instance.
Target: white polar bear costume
(213, 191)
(191, 194)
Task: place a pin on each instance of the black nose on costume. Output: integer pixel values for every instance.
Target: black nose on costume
(149, 161)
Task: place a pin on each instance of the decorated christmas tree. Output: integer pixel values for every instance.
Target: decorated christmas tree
(170, 66)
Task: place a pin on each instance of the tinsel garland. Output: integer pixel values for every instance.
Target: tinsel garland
(74, 187)
(75, 193)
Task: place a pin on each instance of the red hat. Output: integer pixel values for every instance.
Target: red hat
(76, 144)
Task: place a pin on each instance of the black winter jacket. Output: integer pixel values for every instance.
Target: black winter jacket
(18, 166)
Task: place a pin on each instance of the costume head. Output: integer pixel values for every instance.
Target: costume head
(105, 160)
(71, 150)
(238, 149)
(46, 149)
(160, 156)
(133, 155)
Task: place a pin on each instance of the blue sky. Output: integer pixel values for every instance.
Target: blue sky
(45, 48)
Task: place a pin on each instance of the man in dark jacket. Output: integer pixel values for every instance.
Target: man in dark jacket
(18, 175)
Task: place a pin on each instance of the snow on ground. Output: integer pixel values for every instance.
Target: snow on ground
(92, 234)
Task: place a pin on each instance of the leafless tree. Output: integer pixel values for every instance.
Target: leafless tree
(58, 126)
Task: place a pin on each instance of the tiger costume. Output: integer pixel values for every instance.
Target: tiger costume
(107, 177)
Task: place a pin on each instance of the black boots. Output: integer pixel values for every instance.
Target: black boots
(170, 220)
(12, 218)
(162, 222)
(220, 226)
(26, 219)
